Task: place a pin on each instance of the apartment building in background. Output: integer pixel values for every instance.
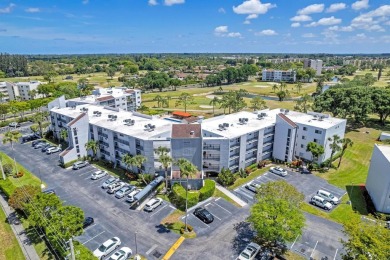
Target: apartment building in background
(279, 75)
(313, 64)
(119, 97)
(22, 90)
(4, 86)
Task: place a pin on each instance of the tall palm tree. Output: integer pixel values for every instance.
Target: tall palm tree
(214, 102)
(93, 146)
(187, 169)
(160, 100)
(299, 86)
(274, 88)
(137, 161)
(11, 137)
(127, 159)
(334, 146)
(64, 134)
(166, 162)
(345, 143)
(39, 118)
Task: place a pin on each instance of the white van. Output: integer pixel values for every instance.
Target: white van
(328, 196)
(130, 197)
(321, 202)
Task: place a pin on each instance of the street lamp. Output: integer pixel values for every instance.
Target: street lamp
(185, 222)
(136, 246)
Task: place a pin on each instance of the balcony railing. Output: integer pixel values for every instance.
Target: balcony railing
(214, 147)
(116, 139)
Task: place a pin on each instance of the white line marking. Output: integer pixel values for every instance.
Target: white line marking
(93, 237)
(207, 204)
(217, 199)
(172, 207)
(314, 249)
(151, 249)
(222, 208)
(294, 242)
(216, 216)
(334, 258)
(237, 189)
(158, 210)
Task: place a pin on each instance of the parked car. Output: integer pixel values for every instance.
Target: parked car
(250, 252)
(121, 254)
(107, 247)
(153, 204)
(115, 187)
(40, 145)
(130, 197)
(34, 143)
(45, 147)
(204, 215)
(49, 191)
(108, 182)
(321, 202)
(80, 164)
(14, 124)
(53, 150)
(252, 187)
(98, 175)
(124, 191)
(328, 196)
(279, 171)
(88, 221)
(30, 137)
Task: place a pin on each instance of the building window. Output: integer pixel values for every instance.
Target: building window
(304, 128)
(303, 137)
(318, 131)
(302, 146)
(78, 150)
(289, 133)
(315, 140)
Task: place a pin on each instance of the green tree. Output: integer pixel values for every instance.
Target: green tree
(283, 94)
(41, 208)
(67, 222)
(110, 72)
(257, 103)
(11, 137)
(315, 149)
(50, 76)
(334, 146)
(366, 241)
(345, 143)
(274, 88)
(64, 134)
(138, 161)
(185, 99)
(22, 196)
(83, 253)
(160, 100)
(127, 159)
(143, 109)
(4, 109)
(381, 103)
(304, 103)
(40, 118)
(226, 177)
(187, 170)
(93, 146)
(166, 162)
(215, 101)
(276, 216)
(299, 86)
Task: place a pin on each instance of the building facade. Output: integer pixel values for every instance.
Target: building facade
(23, 90)
(378, 179)
(279, 75)
(313, 64)
(4, 86)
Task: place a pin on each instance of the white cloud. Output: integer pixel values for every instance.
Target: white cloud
(247, 22)
(234, 34)
(152, 2)
(85, 2)
(173, 2)
(221, 10)
(325, 22)
(252, 16)
(221, 29)
(336, 7)
(308, 35)
(311, 9)
(253, 7)
(361, 35)
(267, 32)
(387, 23)
(301, 18)
(7, 9)
(362, 4)
(370, 21)
(341, 28)
(32, 10)
(295, 25)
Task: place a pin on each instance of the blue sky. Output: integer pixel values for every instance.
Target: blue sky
(153, 26)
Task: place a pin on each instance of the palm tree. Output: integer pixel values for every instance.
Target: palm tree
(32, 93)
(274, 88)
(345, 143)
(11, 137)
(93, 146)
(167, 99)
(160, 100)
(39, 118)
(214, 102)
(137, 161)
(127, 159)
(187, 169)
(334, 146)
(64, 134)
(299, 86)
(166, 162)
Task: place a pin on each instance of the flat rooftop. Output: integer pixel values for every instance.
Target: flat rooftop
(312, 120)
(162, 128)
(385, 150)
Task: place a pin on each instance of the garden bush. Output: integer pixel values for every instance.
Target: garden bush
(189, 228)
(178, 197)
(207, 190)
(7, 187)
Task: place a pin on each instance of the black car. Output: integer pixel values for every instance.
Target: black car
(34, 143)
(204, 215)
(45, 147)
(88, 221)
(49, 191)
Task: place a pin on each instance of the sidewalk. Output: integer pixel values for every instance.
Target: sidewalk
(27, 248)
(231, 195)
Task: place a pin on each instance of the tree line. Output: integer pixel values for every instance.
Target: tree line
(13, 65)
(231, 75)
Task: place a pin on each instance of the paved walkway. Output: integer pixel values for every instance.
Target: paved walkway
(27, 248)
(231, 195)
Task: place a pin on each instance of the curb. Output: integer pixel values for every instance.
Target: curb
(173, 248)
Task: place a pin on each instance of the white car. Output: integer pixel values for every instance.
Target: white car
(279, 171)
(124, 191)
(98, 175)
(130, 197)
(328, 196)
(321, 202)
(121, 254)
(115, 187)
(253, 187)
(108, 182)
(152, 204)
(14, 124)
(53, 150)
(107, 247)
(249, 252)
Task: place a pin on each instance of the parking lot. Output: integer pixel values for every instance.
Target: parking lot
(218, 207)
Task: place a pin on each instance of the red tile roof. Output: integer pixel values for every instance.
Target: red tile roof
(105, 98)
(129, 91)
(185, 130)
(181, 114)
(288, 120)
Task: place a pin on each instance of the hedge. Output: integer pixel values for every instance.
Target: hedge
(7, 187)
(178, 197)
(68, 164)
(207, 190)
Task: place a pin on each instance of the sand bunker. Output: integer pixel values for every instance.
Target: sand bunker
(205, 106)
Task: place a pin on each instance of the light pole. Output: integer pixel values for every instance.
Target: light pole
(185, 221)
(136, 247)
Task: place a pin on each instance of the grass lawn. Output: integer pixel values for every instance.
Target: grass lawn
(10, 249)
(173, 223)
(251, 176)
(218, 193)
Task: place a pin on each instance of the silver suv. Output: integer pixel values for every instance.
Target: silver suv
(321, 202)
(124, 191)
(79, 164)
(109, 182)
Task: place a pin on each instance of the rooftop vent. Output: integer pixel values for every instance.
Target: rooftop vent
(192, 133)
(221, 127)
(315, 117)
(243, 121)
(286, 111)
(260, 116)
(321, 118)
(225, 125)
(84, 109)
(129, 122)
(149, 127)
(282, 110)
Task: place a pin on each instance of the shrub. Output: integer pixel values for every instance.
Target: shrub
(226, 177)
(242, 173)
(207, 190)
(8, 168)
(178, 197)
(189, 228)
(7, 187)
(19, 175)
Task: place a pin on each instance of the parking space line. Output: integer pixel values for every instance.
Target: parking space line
(85, 229)
(207, 204)
(314, 249)
(223, 208)
(246, 193)
(151, 249)
(335, 255)
(94, 237)
(172, 207)
(157, 211)
(294, 242)
(217, 199)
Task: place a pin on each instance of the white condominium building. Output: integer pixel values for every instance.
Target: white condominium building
(123, 98)
(23, 90)
(4, 91)
(314, 64)
(279, 75)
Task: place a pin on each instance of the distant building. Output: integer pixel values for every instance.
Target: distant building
(279, 75)
(314, 64)
(22, 90)
(378, 179)
(4, 86)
